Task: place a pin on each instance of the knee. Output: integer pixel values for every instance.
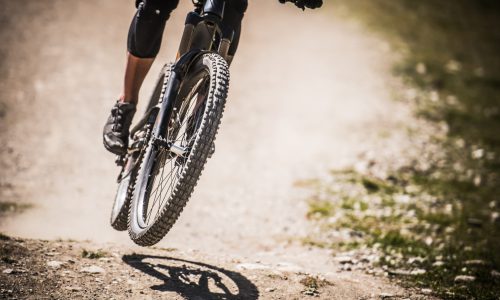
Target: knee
(146, 30)
(160, 9)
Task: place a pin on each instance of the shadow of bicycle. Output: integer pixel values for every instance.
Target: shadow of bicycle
(193, 280)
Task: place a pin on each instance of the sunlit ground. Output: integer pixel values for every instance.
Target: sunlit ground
(437, 223)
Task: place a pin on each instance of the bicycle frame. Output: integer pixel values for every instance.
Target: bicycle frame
(202, 34)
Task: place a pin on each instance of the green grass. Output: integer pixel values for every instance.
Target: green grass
(94, 254)
(313, 284)
(431, 225)
(319, 208)
(308, 241)
(9, 207)
(449, 54)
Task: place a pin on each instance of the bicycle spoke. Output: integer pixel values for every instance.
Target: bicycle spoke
(161, 203)
(147, 217)
(161, 186)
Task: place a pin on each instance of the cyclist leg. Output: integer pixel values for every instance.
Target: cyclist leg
(144, 41)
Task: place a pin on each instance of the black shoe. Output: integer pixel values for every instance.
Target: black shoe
(116, 129)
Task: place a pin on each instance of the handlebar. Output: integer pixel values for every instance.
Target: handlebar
(299, 3)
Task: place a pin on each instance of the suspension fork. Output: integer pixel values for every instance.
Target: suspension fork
(201, 28)
(171, 92)
(166, 106)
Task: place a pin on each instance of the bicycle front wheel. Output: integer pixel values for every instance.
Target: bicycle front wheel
(121, 205)
(165, 180)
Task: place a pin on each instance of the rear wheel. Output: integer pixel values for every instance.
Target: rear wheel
(165, 180)
(121, 205)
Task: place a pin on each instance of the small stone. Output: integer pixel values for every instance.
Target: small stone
(55, 264)
(421, 68)
(343, 259)
(67, 273)
(270, 290)
(399, 272)
(475, 222)
(131, 282)
(453, 66)
(426, 291)
(386, 295)
(418, 272)
(250, 266)
(14, 271)
(310, 292)
(73, 288)
(495, 274)
(495, 217)
(475, 262)
(464, 278)
(438, 264)
(477, 154)
(413, 260)
(92, 270)
(105, 259)
(346, 267)
(288, 267)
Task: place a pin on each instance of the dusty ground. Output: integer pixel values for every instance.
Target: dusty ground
(34, 269)
(304, 98)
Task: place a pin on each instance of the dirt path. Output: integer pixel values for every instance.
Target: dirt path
(302, 100)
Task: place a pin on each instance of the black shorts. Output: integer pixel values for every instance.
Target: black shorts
(146, 30)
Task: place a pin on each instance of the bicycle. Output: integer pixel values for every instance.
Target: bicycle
(170, 145)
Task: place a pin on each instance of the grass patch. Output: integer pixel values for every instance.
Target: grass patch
(4, 237)
(319, 209)
(308, 241)
(165, 249)
(429, 231)
(12, 207)
(93, 254)
(313, 284)
(450, 64)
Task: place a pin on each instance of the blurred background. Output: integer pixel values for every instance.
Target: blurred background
(366, 127)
